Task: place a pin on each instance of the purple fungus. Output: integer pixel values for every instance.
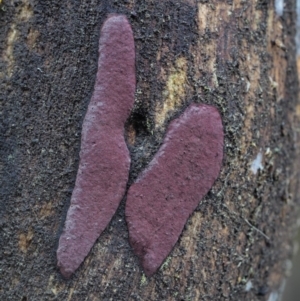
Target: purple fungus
(104, 157)
(169, 190)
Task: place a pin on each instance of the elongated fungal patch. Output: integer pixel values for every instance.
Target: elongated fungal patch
(168, 191)
(104, 157)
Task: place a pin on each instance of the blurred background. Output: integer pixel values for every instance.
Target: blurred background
(292, 289)
(292, 286)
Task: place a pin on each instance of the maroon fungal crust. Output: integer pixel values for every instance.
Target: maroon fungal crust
(168, 191)
(104, 157)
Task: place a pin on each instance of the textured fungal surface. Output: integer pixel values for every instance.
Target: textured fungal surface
(168, 191)
(104, 157)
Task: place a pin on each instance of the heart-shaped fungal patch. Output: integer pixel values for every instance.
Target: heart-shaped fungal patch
(169, 190)
(104, 157)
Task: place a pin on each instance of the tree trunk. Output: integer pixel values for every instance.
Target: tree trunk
(236, 55)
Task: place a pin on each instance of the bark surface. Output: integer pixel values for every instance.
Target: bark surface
(236, 55)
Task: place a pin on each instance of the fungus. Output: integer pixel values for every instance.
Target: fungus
(169, 190)
(104, 157)
(257, 163)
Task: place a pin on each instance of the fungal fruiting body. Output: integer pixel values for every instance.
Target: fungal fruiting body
(104, 157)
(169, 190)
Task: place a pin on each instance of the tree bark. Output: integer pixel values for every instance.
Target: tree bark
(236, 55)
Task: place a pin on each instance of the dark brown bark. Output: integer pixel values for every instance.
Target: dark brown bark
(236, 55)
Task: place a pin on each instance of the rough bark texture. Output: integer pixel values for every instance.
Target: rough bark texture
(236, 55)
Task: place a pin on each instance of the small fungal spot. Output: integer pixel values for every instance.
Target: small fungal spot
(268, 152)
(8, 53)
(143, 280)
(257, 163)
(274, 84)
(288, 267)
(273, 296)
(279, 6)
(179, 176)
(25, 240)
(248, 85)
(248, 286)
(31, 38)
(104, 157)
(26, 11)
